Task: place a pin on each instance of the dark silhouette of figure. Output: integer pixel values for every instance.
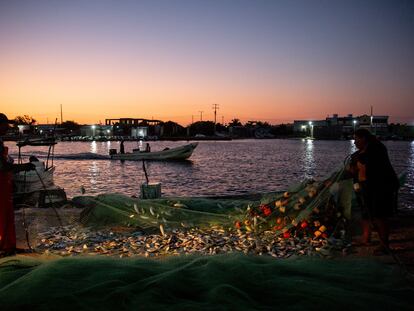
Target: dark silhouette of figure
(122, 148)
(377, 186)
(148, 148)
(7, 168)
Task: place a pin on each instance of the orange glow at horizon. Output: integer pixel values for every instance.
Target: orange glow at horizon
(91, 92)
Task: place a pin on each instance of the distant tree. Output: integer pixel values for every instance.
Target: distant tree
(70, 126)
(221, 128)
(257, 124)
(25, 120)
(282, 130)
(173, 129)
(235, 122)
(202, 127)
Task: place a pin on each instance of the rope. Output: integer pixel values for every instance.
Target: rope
(24, 218)
(50, 200)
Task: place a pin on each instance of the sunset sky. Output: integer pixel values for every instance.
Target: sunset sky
(273, 61)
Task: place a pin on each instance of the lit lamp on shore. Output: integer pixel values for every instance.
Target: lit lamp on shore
(355, 123)
(93, 127)
(311, 128)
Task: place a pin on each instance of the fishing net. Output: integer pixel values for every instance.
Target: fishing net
(312, 216)
(224, 282)
(309, 208)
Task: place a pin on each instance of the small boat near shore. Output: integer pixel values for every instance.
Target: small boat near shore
(178, 153)
(36, 187)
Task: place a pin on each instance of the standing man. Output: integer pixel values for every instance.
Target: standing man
(7, 229)
(377, 186)
(121, 147)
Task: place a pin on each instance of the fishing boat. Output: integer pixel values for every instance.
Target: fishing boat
(178, 153)
(42, 176)
(36, 187)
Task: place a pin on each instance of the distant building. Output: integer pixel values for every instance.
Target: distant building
(96, 130)
(132, 122)
(376, 124)
(136, 127)
(305, 125)
(24, 129)
(139, 132)
(48, 130)
(334, 127)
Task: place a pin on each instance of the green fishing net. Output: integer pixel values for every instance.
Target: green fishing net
(312, 208)
(223, 282)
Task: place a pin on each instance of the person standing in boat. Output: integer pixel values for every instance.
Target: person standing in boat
(121, 147)
(7, 168)
(377, 186)
(147, 148)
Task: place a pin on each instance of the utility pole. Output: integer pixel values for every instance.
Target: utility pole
(192, 119)
(215, 108)
(61, 114)
(222, 120)
(201, 115)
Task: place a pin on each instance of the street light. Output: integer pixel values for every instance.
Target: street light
(311, 128)
(354, 122)
(93, 130)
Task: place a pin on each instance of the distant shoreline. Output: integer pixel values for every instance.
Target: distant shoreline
(182, 138)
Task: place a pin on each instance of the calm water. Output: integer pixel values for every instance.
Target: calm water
(216, 168)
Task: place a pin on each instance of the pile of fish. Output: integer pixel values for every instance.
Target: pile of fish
(77, 240)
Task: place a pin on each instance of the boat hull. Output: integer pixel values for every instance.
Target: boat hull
(175, 154)
(25, 182)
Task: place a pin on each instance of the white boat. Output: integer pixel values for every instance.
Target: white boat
(31, 181)
(42, 178)
(178, 153)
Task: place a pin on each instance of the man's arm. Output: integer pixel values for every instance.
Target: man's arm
(10, 167)
(14, 168)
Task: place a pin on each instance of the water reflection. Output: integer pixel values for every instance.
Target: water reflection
(93, 174)
(94, 147)
(215, 168)
(308, 159)
(352, 147)
(108, 146)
